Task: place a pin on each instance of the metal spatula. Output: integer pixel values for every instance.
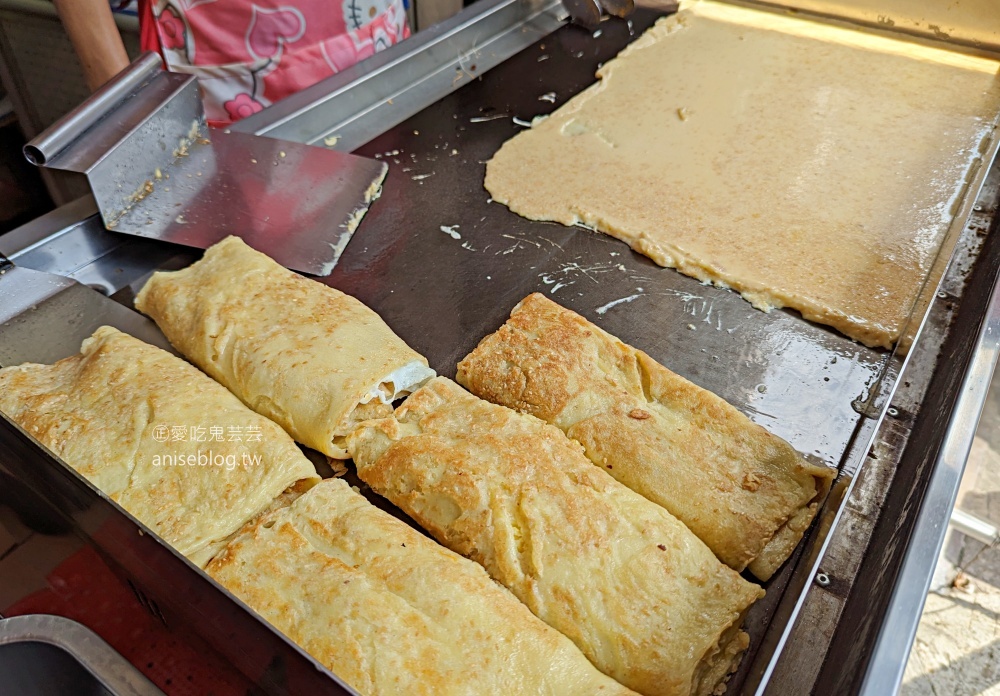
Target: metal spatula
(157, 171)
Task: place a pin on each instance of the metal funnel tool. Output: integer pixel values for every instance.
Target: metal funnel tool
(157, 171)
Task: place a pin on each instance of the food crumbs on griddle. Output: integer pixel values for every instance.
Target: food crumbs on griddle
(692, 327)
(661, 547)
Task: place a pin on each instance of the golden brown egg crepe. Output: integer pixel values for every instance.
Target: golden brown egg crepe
(392, 612)
(641, 596)
(745, 492)
(307, 356)
(161, 439)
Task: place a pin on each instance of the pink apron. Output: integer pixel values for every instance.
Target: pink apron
(248, 54)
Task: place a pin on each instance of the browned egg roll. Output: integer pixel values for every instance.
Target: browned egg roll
(161, 439)
(641, 596)
(392, 612)
(745, 492)
(307, 356)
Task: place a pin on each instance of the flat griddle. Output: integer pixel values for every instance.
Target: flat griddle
(442, 295)
(443, 265)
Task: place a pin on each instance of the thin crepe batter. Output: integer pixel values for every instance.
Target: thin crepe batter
(804, 165)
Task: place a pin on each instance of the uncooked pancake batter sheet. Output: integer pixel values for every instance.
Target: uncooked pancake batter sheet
(804, 165)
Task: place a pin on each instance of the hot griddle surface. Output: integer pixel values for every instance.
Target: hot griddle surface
(443, 290)
(443, 294)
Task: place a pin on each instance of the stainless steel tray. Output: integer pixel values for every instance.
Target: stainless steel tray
(436, 118)
(49, 655)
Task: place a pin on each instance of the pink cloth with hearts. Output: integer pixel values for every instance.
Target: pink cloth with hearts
(248, 54)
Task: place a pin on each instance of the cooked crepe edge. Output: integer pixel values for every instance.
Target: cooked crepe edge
(207, 554)
(783, 543)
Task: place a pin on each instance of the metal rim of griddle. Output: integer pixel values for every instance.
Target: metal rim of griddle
(534, 20)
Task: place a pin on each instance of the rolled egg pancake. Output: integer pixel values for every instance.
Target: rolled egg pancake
(163, 440)
(392, 612)
(745, 492)
(639, 594)
(307, 356)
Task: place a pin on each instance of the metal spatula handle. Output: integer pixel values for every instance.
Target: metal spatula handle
(71, 127)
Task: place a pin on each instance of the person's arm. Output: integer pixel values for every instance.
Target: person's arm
(95, 38)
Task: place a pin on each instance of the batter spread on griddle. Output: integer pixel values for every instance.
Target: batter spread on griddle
(804, 165)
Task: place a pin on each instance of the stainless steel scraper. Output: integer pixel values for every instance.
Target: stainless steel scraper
(45, 317)
(158, 171)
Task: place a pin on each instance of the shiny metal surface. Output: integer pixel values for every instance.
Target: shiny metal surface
(296, 203)
(109, 669)
(888, 660)
(154, 172)
(44, 317)
(54, 140)
(444, 266)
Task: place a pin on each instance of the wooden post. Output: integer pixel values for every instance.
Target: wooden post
(95, 38)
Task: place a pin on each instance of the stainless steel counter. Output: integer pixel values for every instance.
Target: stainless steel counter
(840, 611)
